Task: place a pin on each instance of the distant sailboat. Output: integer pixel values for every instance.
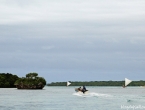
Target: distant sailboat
(127, 81)
(68, 83)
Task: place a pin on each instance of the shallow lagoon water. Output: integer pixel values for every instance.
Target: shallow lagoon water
(65, 98)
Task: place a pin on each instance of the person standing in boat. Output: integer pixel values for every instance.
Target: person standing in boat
(84, 89)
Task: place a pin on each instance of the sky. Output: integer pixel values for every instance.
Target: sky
(73, 40)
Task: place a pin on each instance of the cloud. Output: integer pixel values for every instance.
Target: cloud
(70, 37)
(51, 11)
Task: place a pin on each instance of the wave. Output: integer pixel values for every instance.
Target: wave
(91, 94)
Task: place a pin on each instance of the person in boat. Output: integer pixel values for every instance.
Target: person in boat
(84, 89)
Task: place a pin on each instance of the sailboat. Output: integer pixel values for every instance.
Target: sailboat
(68, 83)
(127, 81)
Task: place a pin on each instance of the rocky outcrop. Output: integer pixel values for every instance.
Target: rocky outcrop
(31, 81)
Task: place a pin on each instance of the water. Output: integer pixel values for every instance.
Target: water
(65, 98)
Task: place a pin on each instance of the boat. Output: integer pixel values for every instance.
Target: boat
(80, 90)
(68, 83)
(127, 82)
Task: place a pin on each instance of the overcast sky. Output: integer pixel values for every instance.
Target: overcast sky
(73, 40)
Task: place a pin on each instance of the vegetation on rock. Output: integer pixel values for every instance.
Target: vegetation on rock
(31, 81)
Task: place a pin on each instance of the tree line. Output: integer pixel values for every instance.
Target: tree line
(98, 83)
(7, 80)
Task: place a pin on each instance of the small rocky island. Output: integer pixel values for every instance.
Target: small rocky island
(31, 81)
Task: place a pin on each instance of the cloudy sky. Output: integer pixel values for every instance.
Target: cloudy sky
(73, 40)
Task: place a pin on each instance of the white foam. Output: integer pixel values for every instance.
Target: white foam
(91, 94)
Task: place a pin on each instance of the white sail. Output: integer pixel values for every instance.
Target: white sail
(127, 81)
(68, 83)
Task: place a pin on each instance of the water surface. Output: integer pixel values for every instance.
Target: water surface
(64, 98)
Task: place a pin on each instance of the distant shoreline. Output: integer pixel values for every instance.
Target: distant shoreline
(98, 83)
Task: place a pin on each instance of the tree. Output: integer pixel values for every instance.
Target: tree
(7, 80)
(32, 75)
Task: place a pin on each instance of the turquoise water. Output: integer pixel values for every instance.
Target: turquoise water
(65, 98)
